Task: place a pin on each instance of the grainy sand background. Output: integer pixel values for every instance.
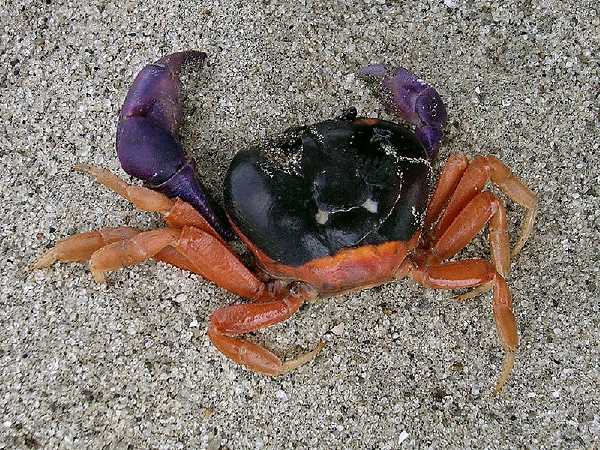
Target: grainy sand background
(128, 365)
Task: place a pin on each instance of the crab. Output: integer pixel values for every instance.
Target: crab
(327, 208)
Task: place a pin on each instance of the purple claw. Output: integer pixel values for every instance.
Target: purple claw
(409, 97)
(147, 143)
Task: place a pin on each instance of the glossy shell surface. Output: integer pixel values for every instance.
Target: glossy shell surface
(330, 186)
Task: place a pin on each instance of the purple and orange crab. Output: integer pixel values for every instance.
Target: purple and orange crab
(336, 206)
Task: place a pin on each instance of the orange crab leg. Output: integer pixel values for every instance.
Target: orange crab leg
(183, 214)
(189, 248)
(480, 171)
(453, 171)
(128, 252)
(256, 357)
(177, 212)
(471, 273)
(142, 198)
(225, 323)
(518, 192)
(80, 247)
(499, 240)
(453, 275)
(212, 259)
(471, 183)
(468, 223)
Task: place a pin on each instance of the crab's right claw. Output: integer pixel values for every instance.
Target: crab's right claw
(410, 98)
(147, 142)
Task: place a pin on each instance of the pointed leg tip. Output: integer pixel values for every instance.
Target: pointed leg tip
(516, 250)
(498, 389)
(99, 276)
(81, 167)
(507, 367)
(87, 168)
(46, 260)
(319, 347)
(315, 352)
(300, 360)
(463, 297)
(475, 292)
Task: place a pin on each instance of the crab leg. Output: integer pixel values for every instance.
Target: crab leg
(128, 252)
(472, 273)
(188, 248)
(142, 198)
(453, 171)
(80, 247)
(468, 223)
(216, 262)
(225, 323)
(177, 212)
(480, 171)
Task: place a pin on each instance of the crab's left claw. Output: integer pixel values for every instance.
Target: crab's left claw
(406, 95)
(147, 142)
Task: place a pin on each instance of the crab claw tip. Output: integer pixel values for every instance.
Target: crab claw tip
(174, 61)
(371, 71)
(406, 95)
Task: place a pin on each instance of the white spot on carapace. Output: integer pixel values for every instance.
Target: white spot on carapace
(322, 217)
(370, 205)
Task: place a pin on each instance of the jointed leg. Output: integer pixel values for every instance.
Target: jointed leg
(189, 248)
(192, 244)
(453, 171)
(213, 260)
(177, 212)
(80, 247)
(225, 323)
(519, 192)
(467, 211)
(142, 198)
(473, 273)
(468, 223)
(128, 252)
(480, 171)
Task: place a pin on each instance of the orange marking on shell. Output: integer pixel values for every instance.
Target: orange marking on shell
(349, 269)
(369, 121)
